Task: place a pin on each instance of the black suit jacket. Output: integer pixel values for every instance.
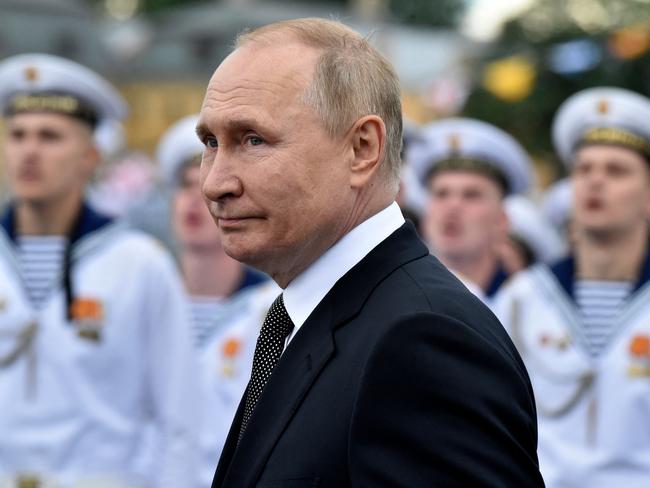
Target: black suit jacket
(400, 377)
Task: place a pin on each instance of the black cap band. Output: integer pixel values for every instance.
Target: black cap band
(474, 165)
(54, 103)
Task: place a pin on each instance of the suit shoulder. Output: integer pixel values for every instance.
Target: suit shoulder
(426, 285)
(437, 386)
(425, 289)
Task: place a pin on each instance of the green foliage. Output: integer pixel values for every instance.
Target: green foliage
(530, 119)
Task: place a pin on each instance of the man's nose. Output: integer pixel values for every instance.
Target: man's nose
(596, 178)
(221, 181)
(29, 149)
(453, 201)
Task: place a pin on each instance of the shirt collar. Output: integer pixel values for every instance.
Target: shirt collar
(306, 291)
(564, 272)
(88, 221)
(499, 278)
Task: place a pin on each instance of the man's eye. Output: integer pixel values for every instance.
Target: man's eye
(211, 142)
(17, 135)
(51, 136)
(254, 140)
(616, 171)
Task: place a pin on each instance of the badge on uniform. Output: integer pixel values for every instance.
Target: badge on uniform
(640, 356)
(88, 317)
(559, 342)
(229, 352)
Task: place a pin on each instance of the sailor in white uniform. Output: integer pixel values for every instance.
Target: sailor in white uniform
(582, 325)
(228, 300)
(94, 340)
(469, 167)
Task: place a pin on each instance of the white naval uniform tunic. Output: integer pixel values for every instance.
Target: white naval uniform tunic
(75, 395)
(226, 359)
(593, 412)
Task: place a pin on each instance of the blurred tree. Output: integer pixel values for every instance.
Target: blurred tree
(572, 45)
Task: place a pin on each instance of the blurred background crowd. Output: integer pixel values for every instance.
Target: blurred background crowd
(510, 63)
(507, 63)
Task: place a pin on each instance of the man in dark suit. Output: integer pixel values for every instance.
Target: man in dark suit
(375, 367)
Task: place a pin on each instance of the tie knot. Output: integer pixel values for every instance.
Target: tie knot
(277, 321)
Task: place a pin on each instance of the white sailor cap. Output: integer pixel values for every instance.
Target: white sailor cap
(529, 225)
(461, 143)
(178, 145)
(110, 138)
(602, 115)
(42, 82)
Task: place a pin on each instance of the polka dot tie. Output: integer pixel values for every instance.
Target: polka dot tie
(270, 343)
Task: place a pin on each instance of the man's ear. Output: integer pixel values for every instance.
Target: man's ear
(91, 155)
(92, 158)
(368, 145)
(503, 223)
(647, 206)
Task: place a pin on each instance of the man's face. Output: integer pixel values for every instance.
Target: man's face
(464, 216)
(48, 156)
(191, 219)
(612, 189)
(276, 183)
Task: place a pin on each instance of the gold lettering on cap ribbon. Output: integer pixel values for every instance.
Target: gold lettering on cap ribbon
(56, 103)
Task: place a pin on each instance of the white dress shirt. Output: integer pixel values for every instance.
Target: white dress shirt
(307, 290)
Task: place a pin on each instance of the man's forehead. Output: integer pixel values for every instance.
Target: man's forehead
(246, 91)
(283, 63)
(605, 151)
(43, 120)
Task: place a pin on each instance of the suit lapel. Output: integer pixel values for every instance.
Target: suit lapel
(304, 358)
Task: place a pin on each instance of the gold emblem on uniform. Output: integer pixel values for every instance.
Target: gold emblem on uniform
(559, 342)
(454, 143)
(229, 352)
(640, 356)
(88, 316)
(31, 73)
(602, 107)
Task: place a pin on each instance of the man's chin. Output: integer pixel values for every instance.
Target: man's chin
(249, 257)
(601, 232)
(34, 199)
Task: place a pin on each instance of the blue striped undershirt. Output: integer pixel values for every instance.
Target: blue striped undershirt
(205, 313)
(599, 303)
(41, 262)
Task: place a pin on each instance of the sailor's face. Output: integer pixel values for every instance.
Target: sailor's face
(464, 215)
(48, 156)
(612, 189)
(191, 219)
